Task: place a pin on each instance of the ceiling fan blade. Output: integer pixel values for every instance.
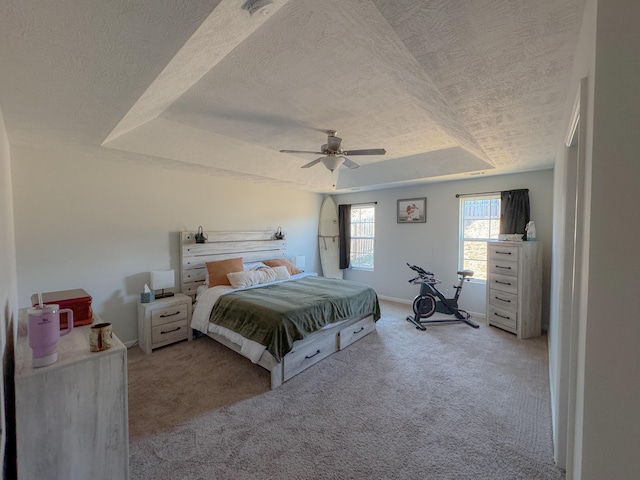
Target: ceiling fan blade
(334, 143)
(350, 163)
(311, 164)
(370, 151)
(300, 151)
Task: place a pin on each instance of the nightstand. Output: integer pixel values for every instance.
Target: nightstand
(164, 321)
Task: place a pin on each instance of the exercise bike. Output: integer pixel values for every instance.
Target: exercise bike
(431, 300)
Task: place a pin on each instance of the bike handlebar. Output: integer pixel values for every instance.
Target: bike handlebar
(418, 280)
(423, 273)
(423, 276)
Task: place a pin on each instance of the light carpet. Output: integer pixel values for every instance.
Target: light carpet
(452, 402)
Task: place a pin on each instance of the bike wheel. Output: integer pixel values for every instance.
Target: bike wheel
(424, 306)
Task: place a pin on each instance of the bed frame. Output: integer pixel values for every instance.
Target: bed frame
(255, 246)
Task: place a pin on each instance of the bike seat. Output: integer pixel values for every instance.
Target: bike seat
(466, 273)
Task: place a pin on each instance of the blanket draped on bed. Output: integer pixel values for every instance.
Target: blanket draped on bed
(278, 315)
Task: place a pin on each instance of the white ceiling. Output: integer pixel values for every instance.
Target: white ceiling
(448, 87)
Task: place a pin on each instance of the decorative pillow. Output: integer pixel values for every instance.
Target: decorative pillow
(218, 270)
(293, 270)
(253, 265)
(281, 272)
(249, 278)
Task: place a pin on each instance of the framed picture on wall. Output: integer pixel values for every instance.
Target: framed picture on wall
(412, 210)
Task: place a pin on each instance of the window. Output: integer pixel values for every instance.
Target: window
(363, 222)
(479, 222)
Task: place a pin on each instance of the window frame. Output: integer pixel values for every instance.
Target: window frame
(353, 237)
(461, 236)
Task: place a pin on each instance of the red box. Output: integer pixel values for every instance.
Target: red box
(78, 301)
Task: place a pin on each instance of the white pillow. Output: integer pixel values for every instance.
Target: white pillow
(253, 265)
(256, 277)
(251, 277)
(281, 273)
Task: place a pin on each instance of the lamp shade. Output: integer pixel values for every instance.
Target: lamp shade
(162, 279)
(332, 162)
(299, 261)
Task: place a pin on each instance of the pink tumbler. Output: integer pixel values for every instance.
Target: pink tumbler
(44, 332)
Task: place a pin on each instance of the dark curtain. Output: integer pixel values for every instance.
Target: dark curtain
(514, 211)
(344, 224)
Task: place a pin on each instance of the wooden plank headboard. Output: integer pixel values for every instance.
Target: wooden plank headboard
(251, 246)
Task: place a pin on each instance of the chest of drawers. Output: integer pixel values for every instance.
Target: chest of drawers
(514, 287)
(72, 416)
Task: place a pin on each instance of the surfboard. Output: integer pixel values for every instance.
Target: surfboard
(328, 234)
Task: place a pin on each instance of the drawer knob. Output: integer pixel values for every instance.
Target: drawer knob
(358, 331)
(500, 266)
(170, 314)
(503, 253)
(311, 356)
(503, 283)
(502, 299)
(169, 331)
(501, 316)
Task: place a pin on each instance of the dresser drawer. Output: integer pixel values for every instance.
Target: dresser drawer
(503, 252)
(502, 317)
(503, 300)
(309, 353)
(169, 314)
(503, 267)
(354, 332)
(168, 332)
(504, 283)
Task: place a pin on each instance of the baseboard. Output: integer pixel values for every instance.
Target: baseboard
(396, 300)
(479, 316)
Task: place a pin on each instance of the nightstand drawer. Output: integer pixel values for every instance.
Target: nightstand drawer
(169, 314)
(169, 331)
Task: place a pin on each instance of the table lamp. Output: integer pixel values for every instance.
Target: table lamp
(161, 279)
(299, 261)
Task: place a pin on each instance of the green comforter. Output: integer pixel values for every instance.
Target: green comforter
(277, 315)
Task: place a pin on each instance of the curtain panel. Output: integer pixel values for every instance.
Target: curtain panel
(344, 241)
(514, 211)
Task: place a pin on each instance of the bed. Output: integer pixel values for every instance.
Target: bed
(284, 324)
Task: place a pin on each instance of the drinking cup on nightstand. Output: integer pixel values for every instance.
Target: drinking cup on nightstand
(44, 332)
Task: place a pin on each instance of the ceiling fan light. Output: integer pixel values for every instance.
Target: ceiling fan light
(332, 162)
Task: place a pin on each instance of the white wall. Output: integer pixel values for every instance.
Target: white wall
(8, 305)
(83, 221)
(611, 384)
(434, 244)
(603, 422)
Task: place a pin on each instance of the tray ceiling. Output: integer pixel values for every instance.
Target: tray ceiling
(448, 88)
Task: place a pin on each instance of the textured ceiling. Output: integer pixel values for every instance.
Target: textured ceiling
(448, 88)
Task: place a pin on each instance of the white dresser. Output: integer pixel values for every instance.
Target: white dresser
(71, 416)
(514, 287)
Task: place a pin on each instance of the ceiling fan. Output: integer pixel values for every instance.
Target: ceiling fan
(334, 155)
